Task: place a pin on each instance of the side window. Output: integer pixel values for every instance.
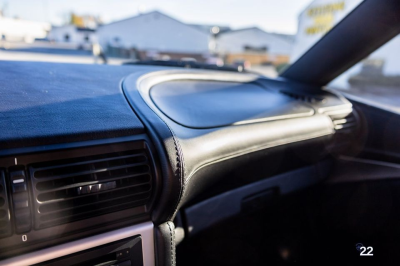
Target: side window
(376, 79)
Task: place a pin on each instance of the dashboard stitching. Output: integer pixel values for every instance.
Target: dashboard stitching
(172, 241)
(179, 172)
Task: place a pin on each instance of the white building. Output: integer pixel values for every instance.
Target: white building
(154, 31)
(22, 30)
(253, 39)
(77, 37)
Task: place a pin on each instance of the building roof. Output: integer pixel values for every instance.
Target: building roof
(238, 40)
(155, 31)
(287, 37)
(151, 13)
(284, 37)
(207, 28)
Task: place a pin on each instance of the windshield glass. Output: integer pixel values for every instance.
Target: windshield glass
(254, 35)
(376, 79)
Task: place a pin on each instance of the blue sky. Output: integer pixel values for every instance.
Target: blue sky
(270, 15)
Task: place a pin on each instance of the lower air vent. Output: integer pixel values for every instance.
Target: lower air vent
(5, 224)
(83, 187)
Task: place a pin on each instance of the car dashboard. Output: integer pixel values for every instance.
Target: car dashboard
(98, 163)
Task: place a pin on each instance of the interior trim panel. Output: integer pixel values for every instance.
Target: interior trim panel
(145, 230)
(208, 104)
(197, 148)
(249, 198)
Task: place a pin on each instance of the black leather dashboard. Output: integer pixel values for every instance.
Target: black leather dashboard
(206, 149)
(208, 104)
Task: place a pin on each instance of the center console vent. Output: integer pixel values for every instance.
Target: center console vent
(5, 224)
(82, 187)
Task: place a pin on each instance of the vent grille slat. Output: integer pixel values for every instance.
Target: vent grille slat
(54, 208)
(91, 171)
(93, 161)
(47, 221)
(345, 126)
(344, 122)
(44, 186)
(83, 187)
(56, 198)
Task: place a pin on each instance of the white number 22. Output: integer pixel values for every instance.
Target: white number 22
(364, 249)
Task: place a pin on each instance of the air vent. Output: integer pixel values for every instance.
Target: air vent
(5, 224)
(344, 123)
(84, 187)
(304, 98)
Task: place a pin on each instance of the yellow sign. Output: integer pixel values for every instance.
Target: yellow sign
(77, 20)
(323, 17)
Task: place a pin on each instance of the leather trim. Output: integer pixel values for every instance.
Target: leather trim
(172, 243)
(268, 145)
(170, 155)
(190, 149)
(180, 169)
(208, 104)
(165, 244)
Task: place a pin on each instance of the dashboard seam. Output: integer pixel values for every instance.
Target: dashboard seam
(172, 241)
(179, 172)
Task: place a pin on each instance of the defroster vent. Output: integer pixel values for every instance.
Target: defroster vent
(79, 188)
(304, 97)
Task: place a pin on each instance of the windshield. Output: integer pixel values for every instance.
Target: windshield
(376, 79)
(255, 35)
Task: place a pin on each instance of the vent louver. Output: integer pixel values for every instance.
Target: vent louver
(344, 124)
(80, 188)
(5, 224)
